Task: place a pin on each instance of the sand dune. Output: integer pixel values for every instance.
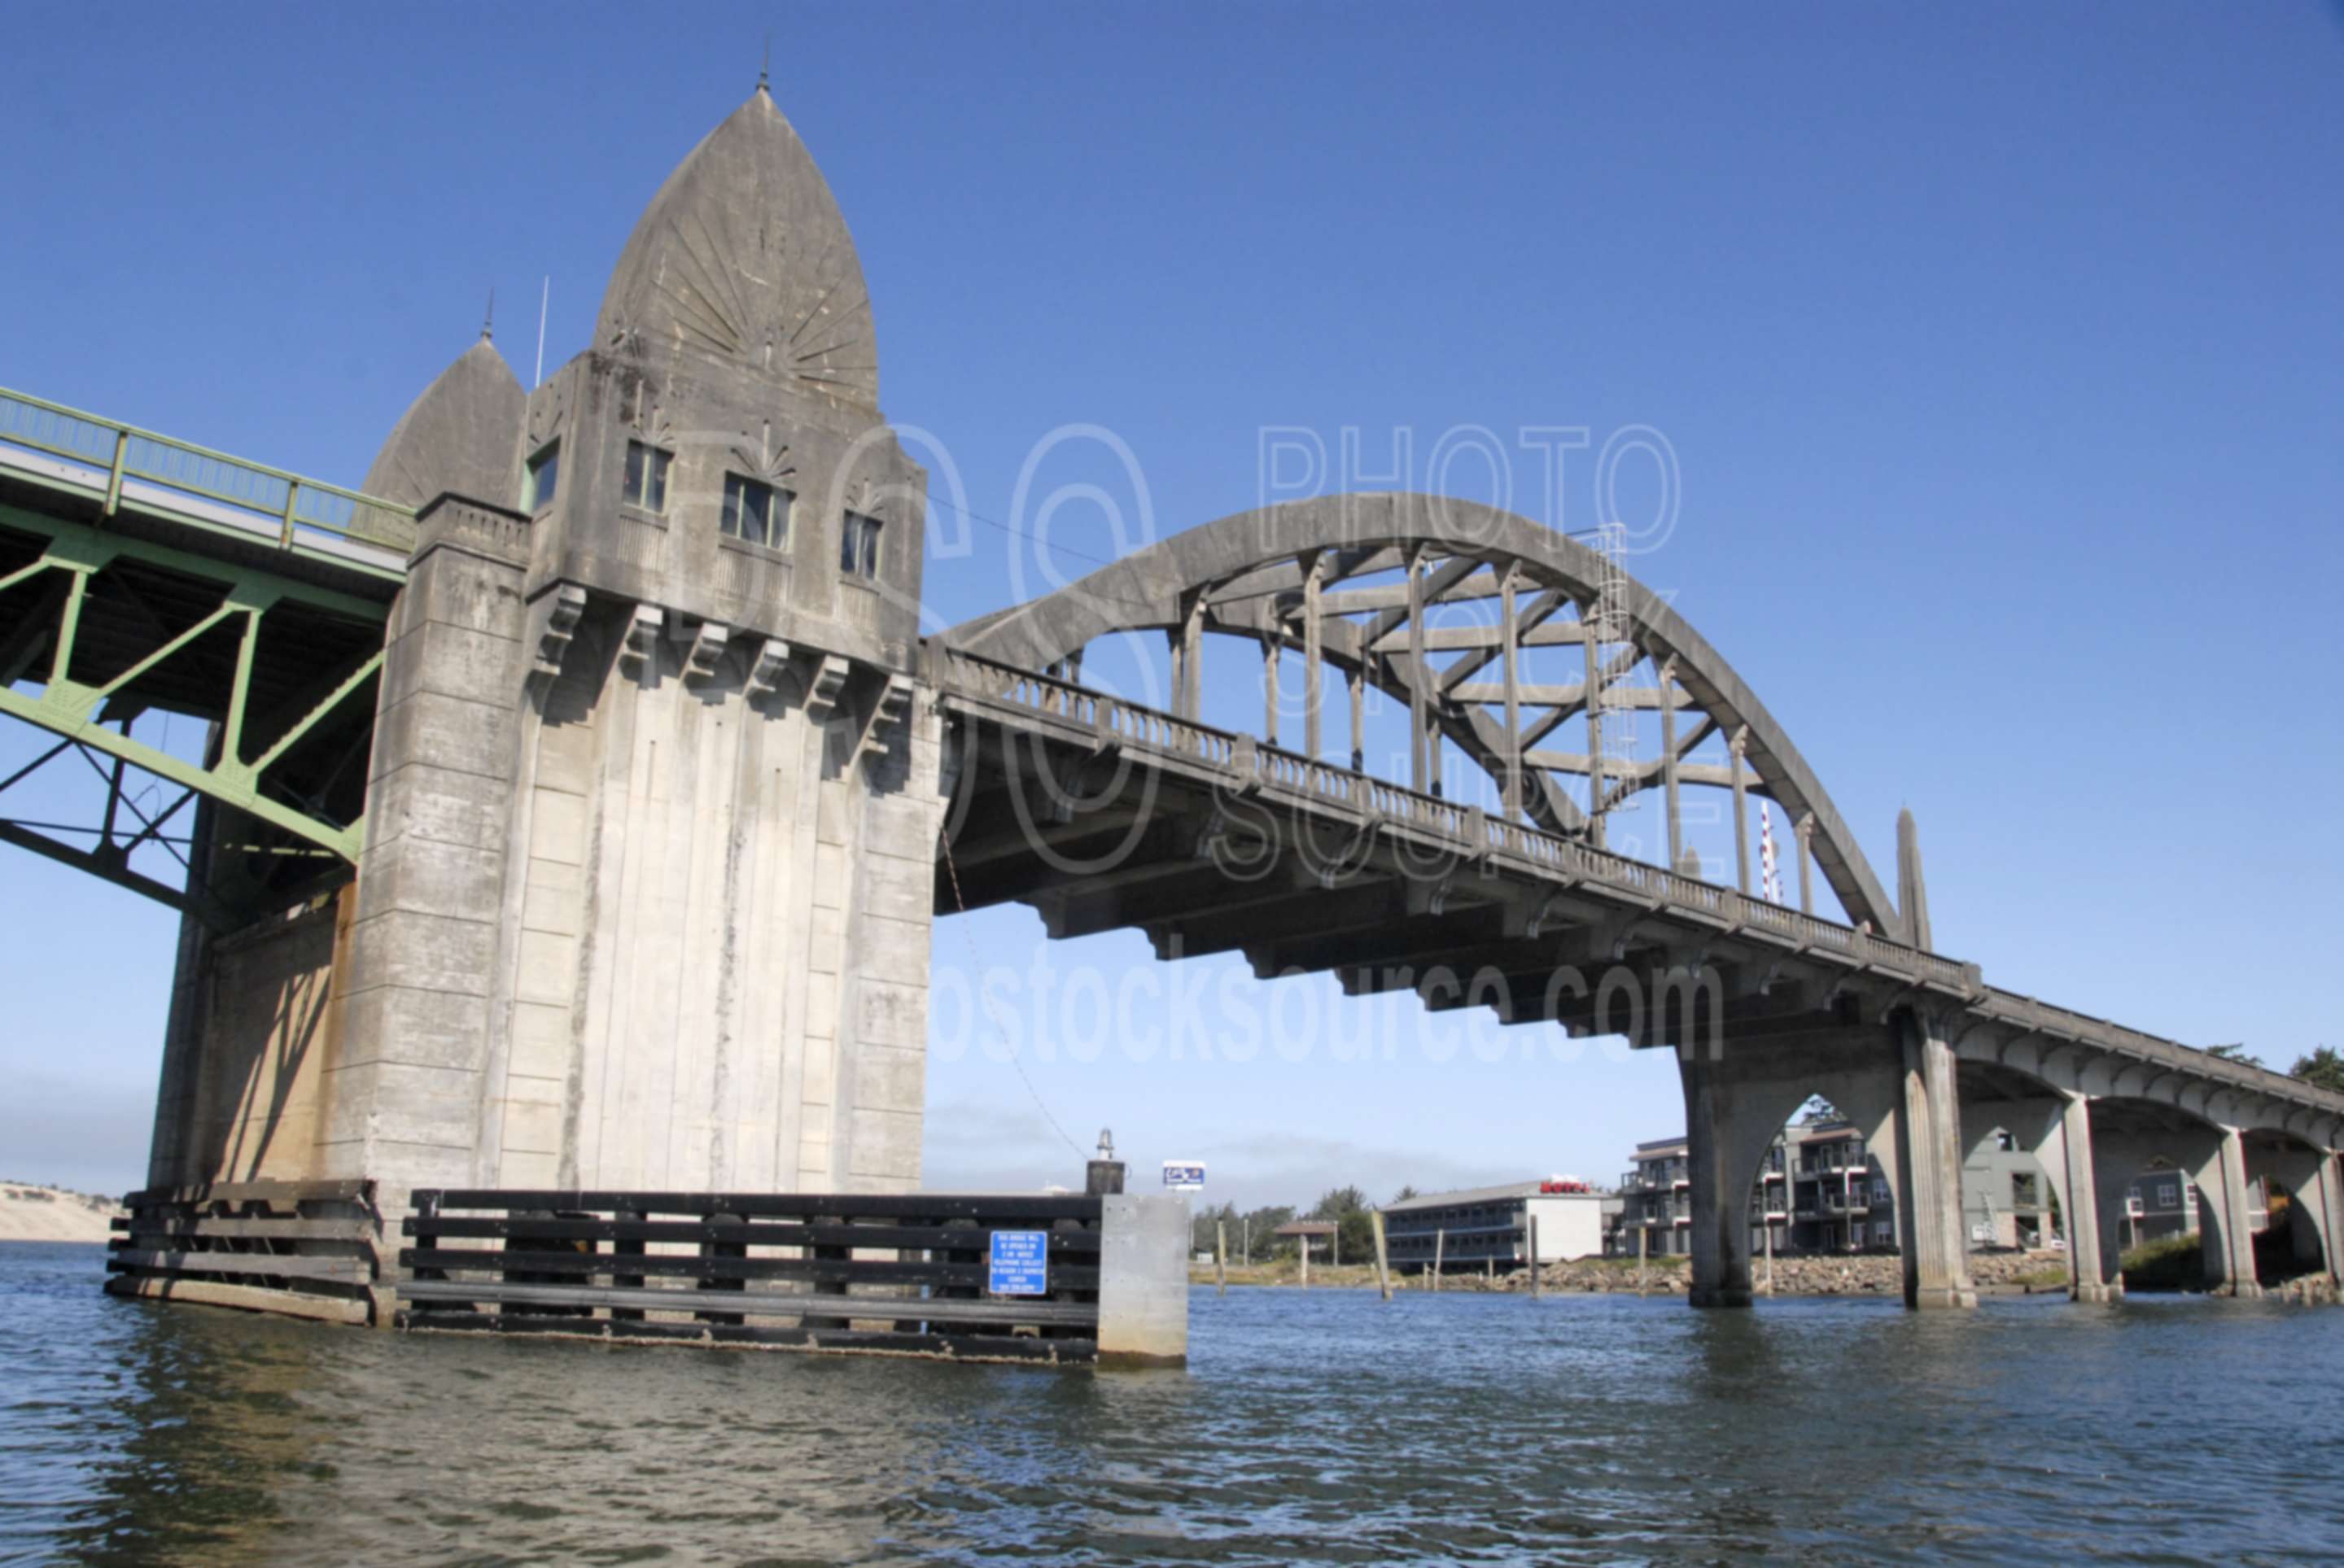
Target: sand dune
(29, 1213)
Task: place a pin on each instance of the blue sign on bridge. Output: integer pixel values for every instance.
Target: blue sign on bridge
(1021, 1264)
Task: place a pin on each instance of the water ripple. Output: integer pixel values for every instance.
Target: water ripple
(1325, 1428)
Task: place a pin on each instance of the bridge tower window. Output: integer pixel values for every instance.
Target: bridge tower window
(544, 475)
(756, 513)
(858, 546)
(646, 482)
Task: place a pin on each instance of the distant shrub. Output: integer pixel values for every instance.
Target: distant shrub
(2169, 1264)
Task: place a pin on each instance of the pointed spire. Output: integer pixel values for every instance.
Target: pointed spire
(1911, 893)
(458, 436)
(765, 66)
(781, 289)
(488, 321)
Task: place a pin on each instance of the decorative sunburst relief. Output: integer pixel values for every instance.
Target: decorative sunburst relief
(780, 300)
(760, 454)
(648, 414)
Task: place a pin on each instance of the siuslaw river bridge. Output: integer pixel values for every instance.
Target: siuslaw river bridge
(574, 809)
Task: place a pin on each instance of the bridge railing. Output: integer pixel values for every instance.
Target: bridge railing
(118, 454)
(1157, 730)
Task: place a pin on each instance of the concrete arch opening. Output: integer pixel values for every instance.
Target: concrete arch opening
(2306, 1202)
(2021, 1133)
(1822, 1187)
(1875, 1077)
(2139, 1140)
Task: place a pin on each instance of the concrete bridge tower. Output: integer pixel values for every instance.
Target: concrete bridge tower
(651, 812)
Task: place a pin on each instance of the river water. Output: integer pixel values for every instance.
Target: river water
(1325, 1427)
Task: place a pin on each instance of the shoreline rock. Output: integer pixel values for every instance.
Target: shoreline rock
(1859, 1274)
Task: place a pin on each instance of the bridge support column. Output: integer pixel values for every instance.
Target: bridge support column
(2331, 1206)
(1928, 1158)
(2231, 1246)
(2088, 1276)
(1737, 1097)
(253, 1036)
(1720, 1234)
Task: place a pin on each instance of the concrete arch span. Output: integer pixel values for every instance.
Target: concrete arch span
(2311, 1177)
(1737, 1102)
(1276, 574)
(1842, 1073)
(2131, 1136)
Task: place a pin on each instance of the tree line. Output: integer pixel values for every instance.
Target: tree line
(1254, 1231)
(2323, 1069)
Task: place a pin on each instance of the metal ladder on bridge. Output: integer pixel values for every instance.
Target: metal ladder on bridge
(1610, 712)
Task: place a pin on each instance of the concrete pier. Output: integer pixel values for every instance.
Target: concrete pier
(645, 895)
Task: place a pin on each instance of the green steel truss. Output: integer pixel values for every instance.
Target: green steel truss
(140, 574)
(110, 626)
(129, 825)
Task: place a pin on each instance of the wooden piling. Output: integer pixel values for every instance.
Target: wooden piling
(1537, 1286)
(1383, 1268)
(1643, 1236)
(1439, 1245)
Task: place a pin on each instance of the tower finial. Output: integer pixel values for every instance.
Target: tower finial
(765, 66)
(488, 321)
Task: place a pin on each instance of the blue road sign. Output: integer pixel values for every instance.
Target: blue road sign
(1021, 1264)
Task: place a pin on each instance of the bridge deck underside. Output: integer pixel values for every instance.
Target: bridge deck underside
(1102, 816)
(1096, 844)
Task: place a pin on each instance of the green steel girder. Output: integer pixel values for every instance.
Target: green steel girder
(91, 544)
(109, 856)
(76, 709)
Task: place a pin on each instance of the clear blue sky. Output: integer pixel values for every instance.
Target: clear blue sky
(2001, 349)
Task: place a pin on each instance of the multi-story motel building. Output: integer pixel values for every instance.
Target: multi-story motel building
(2165, 1203)
(1819, 1190)
(1486, 1226)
